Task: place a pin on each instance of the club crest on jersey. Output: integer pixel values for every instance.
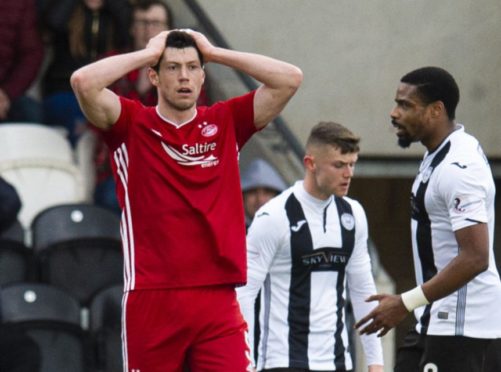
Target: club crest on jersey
(347, 221)
(208, 130)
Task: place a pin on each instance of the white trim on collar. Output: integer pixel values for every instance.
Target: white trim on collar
(175, 124)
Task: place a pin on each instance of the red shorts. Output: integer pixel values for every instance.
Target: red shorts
(201, 327)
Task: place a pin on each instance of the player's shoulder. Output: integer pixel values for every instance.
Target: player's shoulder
(466, 156)
(134, 110)
(271, 219)
(244, 99)
(355, 204)
(357, 209)
(275, 208)
(131, 103)
(464, 145)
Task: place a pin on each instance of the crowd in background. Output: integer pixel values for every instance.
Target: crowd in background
(43, 41)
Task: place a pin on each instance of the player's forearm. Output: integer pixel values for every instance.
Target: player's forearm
(271, 72)
(456, 275)
(246, 298)
(472, 260)
(101, 74)
(361, 285)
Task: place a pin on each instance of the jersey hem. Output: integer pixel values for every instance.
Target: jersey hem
(235, 283)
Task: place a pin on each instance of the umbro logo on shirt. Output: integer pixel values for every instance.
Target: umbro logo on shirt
(297, 227)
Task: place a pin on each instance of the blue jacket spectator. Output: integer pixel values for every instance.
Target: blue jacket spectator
(260, 183)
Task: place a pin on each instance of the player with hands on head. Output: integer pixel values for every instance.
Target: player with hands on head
(458, 294)
(176, 167)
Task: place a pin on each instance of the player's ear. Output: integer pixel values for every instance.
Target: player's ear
(437, 108)
(309, 162)
(153, 76)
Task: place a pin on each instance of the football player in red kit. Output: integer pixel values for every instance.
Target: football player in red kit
(176, 167)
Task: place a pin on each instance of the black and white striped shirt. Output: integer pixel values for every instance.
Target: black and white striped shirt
(454, 189)
(304, 253)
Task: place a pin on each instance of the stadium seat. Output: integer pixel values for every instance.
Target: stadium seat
(77, 248)
(39, 161)
(15, 232)
(16, 263)
(85, 152)
(51, 317)
(105, 312)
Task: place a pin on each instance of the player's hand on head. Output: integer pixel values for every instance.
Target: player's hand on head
(157, 43)
(203, 43)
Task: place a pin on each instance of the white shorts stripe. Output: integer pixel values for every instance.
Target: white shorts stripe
(124, 332)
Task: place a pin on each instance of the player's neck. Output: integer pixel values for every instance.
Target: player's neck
(175, 115)
(442, 132)
(311, 188)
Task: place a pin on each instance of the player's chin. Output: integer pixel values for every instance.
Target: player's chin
(404, 142)
(341, 190)
(184, 104)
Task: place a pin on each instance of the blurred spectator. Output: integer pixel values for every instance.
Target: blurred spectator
(79, 31)
(260, 183)
(21, 53)
(18, 352)
(10, 205)
(149, 17)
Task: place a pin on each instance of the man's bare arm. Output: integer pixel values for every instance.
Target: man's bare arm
(280, 80)
(473, 258)
(100, 105)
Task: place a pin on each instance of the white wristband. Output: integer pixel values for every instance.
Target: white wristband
(414, 298)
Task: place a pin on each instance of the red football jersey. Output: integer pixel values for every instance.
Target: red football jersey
(179, 190)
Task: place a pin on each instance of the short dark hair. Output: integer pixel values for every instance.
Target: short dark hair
(435, 84)
(334, 134)
(147, 4)
(180, 40)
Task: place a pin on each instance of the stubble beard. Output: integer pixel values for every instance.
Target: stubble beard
(180, 106)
